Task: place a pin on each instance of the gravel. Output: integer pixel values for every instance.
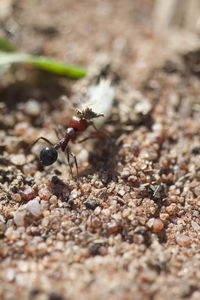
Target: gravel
(34, 207)
(129, 226)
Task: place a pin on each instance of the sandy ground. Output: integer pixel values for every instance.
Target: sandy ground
(128, 228)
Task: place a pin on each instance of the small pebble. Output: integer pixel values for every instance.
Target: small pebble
(60, 236)
(164, 216)
(11, 234)
(21, 128)
(2, 227)
(197, 191)
(97, 211)
(157, 225)
(29, 169)
(91, 204)
(112, 227)
(17, 197)
(53, 199)
(12, 144)
(44, 193)
(18, 159)
(138, 239)
(171, 209)
(83, 155)
(195, 226)
(27, 193)
(183, 240)
(34, 207)
(19, 216)
(42, 248)
(86, 188)
(32, 108)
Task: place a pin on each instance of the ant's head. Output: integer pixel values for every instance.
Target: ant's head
(48, 155)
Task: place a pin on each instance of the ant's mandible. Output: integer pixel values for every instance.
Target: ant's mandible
(77, 124)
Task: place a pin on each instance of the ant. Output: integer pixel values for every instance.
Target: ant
(77, 124)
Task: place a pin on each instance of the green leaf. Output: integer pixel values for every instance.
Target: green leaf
(44, 63)
(57, 67)
(6, 46)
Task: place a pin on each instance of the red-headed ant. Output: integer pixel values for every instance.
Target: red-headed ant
(79, 123)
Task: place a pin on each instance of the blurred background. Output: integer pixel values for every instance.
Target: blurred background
(142, 178)
(138, 34)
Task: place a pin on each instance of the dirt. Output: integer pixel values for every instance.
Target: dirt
(128, 227)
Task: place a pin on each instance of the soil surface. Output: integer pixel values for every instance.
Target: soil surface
(129, 227)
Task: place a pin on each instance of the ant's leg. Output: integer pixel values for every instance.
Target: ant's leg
(91, 136)
(76, 164)
(75, 160)
(87, 138)
(99, 132)
(59, 134)
(59, 131)
(93, 125)
(44, 139)
(68, 160)
(40, 138)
